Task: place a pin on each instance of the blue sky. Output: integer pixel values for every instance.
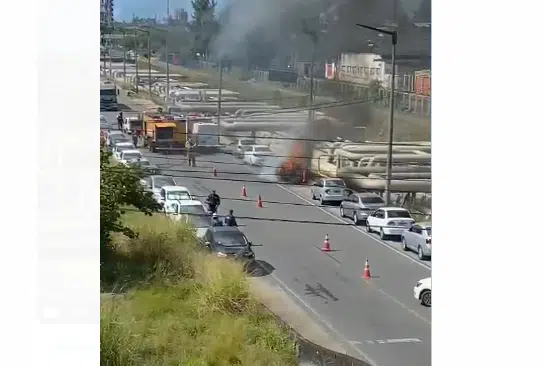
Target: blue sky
(124, 9)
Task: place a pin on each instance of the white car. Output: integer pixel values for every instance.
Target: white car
(422, 291)
(112, 133)
(255, 154)
(129, 155)
(389, 221)
(119, 147)
(189, 211)
(173, 193)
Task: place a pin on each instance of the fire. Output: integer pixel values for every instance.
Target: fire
(294, 168)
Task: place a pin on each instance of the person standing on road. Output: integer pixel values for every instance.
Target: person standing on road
(120, 121)
(190, 146)
(135, 139)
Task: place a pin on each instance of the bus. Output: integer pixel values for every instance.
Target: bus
(108, 97)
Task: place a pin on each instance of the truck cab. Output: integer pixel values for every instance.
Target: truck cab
(164, 132)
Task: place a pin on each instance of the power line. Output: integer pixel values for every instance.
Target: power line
(255, 181)
(255, 218)
(355, 177)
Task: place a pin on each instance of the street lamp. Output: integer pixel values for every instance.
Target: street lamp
(147, 32)
(393, 35)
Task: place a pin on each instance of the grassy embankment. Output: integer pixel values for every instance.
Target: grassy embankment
(180, 306)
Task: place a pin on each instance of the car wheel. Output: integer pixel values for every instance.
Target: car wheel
(341, 211)
(312, 193)
(421, 253)
(425, 298)
(368, 227)
(355, 218)
(382, 235)
(404, 244)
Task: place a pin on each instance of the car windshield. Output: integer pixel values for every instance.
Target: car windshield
(246, 142)
(402, 214)
(230, 239)
(123, 148)
(370, 200)
(262, 149)
(334, 183)
(144, 163)
(160, 182)
(178, 195)
(131, 156)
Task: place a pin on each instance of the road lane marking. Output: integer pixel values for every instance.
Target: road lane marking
(393, 341)
(411, 311)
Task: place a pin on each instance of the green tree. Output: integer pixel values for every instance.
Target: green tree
(119, 188)
(204, 24)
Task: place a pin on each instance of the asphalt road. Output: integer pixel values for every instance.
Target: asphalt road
(379, 318)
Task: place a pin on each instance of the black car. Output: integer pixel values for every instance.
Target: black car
(229, 242)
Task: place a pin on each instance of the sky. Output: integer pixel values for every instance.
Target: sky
(124, 9)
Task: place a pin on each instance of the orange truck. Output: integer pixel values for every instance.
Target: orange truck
(163, 132)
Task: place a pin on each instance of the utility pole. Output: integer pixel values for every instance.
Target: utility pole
(124, 59)
(311, 93)
(110, 54)
(136, 61)
(219, 96)
(393, 35)
(167, 52)
(149, 63)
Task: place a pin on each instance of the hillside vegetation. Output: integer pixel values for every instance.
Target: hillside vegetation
(166, 302)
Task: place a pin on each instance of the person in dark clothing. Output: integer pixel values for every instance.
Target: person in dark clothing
(213, 201)
(135, 139)
(216, 221)
(190, 146)
(230, 219)
(120, 120)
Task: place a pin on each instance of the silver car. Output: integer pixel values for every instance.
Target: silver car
(154, 183)
(418, 239)
(359, 206)
(330, 190)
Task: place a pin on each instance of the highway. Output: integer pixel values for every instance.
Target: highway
(378, 318)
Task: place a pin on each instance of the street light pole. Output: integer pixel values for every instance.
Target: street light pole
(393, 35)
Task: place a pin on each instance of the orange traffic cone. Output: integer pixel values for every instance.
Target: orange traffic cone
(366, 271)
(215, 172)
(259, 202)
(327, 246)
(244, 191)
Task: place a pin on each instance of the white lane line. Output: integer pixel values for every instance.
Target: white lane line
(394, 341)
(386, 245)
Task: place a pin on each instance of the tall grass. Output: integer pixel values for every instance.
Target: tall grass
(181, 306)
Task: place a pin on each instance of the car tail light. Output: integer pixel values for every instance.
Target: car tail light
(327, 191)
